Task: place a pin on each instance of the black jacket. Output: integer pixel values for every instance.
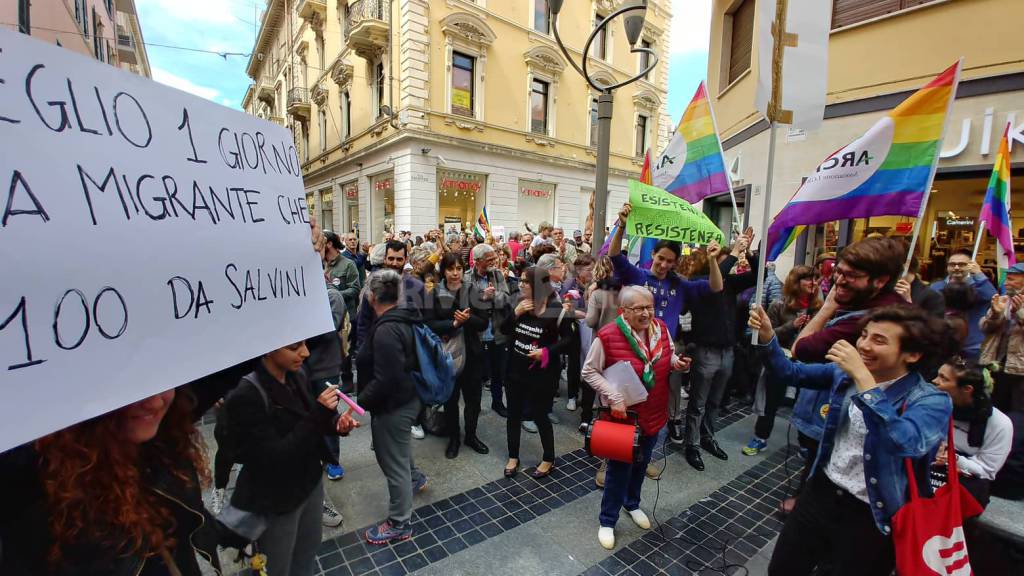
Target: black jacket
(282, 447)
(388, 358)
(713, 319)
(440, 313)
(24, 531)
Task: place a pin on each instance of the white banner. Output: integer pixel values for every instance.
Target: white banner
(804, 66)
(148, 238)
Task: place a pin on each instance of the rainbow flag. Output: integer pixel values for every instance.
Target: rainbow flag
(691, 167)
(995, 210)
(483, 224)
(887, 171)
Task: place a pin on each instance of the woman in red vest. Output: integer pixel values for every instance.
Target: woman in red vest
(639, 338)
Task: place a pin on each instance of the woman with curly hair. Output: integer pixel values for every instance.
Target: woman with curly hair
(116, 494)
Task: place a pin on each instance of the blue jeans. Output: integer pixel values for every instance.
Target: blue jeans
(622, 484)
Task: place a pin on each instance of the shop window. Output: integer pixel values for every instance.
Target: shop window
(536, 201)
(645, 58)
(599, 47)
(738, 43)
(311, 203)
(539, 92)
(849, 12)
(593, 122)
(350, 191)
(463, 80)
(541, 17)
(327, 209)
(461, 196)
(641, 138)
(383, 205)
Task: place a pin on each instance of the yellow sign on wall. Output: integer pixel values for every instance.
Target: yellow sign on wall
(462, 99)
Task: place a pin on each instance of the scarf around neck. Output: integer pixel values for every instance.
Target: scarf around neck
(642, 350)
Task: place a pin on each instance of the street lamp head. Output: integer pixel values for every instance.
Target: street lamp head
(555, 6)
(634, 21)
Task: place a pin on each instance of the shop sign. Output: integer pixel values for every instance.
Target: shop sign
(351, 191)
(536, 189)
(459, 182)
(965, 222)
(384, 184)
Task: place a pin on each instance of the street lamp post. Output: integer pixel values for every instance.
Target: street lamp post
(634, 24)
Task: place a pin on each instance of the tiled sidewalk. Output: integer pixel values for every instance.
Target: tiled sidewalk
(454, 524)
(717, 535)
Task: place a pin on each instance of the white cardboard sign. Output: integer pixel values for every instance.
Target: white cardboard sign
(147, 238)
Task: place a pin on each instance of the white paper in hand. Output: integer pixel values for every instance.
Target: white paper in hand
(623, 376)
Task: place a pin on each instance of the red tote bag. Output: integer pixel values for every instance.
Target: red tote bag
(928, 533)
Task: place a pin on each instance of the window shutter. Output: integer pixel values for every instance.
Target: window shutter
(742, 39)
(848, 12)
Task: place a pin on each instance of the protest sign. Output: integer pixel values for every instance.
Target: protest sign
(658, 214)
(148, 238)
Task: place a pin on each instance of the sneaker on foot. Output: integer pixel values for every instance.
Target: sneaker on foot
(755, 446)
(417, 432)
(571, 405)
(530, 426)
(219, 497)
(419, 483)
(640, 519)
(331, 518)
(335, 472)
(653, 472)
(386, 532)
(606, 536)
(675, 431)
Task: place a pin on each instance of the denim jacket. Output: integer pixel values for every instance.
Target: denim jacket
(907, 420)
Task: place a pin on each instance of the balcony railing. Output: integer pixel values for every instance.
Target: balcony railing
(298, 102)
(361, 10)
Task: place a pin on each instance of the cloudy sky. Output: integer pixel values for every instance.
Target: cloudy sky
(228, 26)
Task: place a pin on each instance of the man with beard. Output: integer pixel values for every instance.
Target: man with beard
(960, 268)
(863, 279)
(396, 254)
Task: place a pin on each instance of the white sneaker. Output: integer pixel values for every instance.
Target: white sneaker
(530, 426)
(218, 501)
(331, 518)
(640, 519)
(606, 536)
(571, 405)
(417, 432)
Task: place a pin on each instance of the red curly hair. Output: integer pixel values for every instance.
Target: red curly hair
(94, 482)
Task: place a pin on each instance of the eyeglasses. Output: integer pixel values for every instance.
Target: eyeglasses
(958, 264)
(849, 274)
(640, 309)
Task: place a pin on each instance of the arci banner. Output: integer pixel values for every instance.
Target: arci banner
(658, 214)
(148, 238)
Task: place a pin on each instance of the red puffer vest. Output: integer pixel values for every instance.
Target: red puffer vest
(653, 412)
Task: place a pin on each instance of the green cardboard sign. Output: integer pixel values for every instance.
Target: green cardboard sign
(658, 214)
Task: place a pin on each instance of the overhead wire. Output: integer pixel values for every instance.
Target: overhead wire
(222, 54)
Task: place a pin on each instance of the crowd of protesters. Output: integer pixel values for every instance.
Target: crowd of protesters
(878, 362)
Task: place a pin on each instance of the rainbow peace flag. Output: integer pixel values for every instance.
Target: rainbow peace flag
(995, 210)
(691, 166)
(887, 171)
(483, 224)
